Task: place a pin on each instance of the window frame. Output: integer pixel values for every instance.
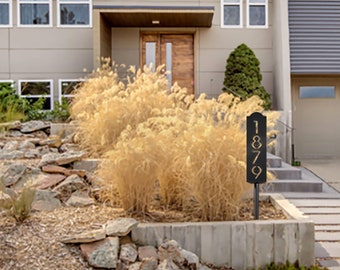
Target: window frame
(50, 96)
(10, 10)
(49, 2)
(89, 2)
(60, 86)
(240, 4)
(317, 87)
(265, 4)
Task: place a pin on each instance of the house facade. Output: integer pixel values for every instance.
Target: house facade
(48, 46)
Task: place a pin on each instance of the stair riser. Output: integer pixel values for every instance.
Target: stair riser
(286, 174)
(276, 186)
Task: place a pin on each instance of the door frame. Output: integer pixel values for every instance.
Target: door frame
(163, 32)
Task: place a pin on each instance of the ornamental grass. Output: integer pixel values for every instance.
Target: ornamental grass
(161, 144)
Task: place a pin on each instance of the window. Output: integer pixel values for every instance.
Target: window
(5, 13)
(231, 13)
(34, 89)
(317, 92)
(66, 88)
(74, 13)
(257, 11)
(34, 12)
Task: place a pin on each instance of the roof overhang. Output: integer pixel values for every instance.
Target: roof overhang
(160, 16)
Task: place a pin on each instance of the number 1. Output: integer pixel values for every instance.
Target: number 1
(256, 126)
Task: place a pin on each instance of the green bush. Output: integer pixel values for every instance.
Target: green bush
(243, 76)
(13, 107)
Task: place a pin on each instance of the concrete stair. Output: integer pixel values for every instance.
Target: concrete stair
(288, 178)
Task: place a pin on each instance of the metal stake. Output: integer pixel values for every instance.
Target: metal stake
(256, 200)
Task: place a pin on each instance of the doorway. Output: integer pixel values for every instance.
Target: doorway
(175, 52)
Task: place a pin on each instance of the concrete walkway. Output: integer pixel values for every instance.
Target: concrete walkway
(323, 208)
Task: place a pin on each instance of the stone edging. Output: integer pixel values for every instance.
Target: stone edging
(238, 244)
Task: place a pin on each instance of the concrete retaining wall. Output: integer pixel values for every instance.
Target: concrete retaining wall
(240, 245)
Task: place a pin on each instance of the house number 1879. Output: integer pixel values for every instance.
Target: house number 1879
(256, 148)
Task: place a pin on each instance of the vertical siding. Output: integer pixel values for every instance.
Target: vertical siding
(314, 36)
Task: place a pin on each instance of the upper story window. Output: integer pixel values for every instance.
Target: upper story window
(5, 13)
(75, 13)
(34, 12)
(231, 13)
(257, 11)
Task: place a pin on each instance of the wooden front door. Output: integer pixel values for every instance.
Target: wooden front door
(175, 51)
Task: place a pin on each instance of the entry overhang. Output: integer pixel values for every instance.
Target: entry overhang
(160, 16)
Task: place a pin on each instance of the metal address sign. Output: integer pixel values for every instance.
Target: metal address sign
(256, 148)
(256, 154)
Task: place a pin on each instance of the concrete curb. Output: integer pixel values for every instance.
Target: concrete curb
(240, 245)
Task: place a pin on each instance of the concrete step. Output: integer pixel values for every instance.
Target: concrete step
(273, 161)
(293, 185)
(286, 172)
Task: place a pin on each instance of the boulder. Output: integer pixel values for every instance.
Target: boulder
(103, 253)
(120, 226)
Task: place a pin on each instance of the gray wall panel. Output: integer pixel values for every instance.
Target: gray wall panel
(50, 61)
(4, 61)
(49, 38)
(314, 36)
(4, 38)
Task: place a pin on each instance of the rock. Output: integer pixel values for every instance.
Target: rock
(39, 134)
(52, 141)
(103, 253)
(60, 169)
(135, 266)
(80, 199)
(128, 253)
(120, 226)
(11, 125)
(55, 169)
(32, 126)
(71, 184)
(170, 251)
(12, 173)
(13, 133)
(191, 259)
(32, 153)
(167, 265)
(12, 155)
(147, 252)
(11, 146)
(85, 237)
(51, 180)
(203, 267)
(61, 159)
(26, 145)
(149, 264)
(45, 200)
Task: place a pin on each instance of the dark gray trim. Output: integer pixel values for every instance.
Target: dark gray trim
(211, 8)
(314, 36)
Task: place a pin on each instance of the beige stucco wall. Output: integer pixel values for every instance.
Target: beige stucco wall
(213, 45)
(61, 53)
(38, 53)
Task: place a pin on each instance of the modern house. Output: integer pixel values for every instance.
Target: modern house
(47, 46)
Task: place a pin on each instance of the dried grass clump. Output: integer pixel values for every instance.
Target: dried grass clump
(163, 144)
(104, 106)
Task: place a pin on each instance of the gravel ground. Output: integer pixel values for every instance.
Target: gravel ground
(35, 243)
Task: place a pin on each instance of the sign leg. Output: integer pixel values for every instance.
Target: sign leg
(256, 200)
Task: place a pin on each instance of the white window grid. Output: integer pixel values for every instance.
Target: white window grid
(60, 87)
(20, 82)
(89, 2)
(10, 24)
(49, 2)
(231, 3)
(256, 3)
